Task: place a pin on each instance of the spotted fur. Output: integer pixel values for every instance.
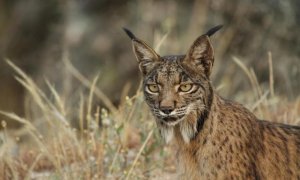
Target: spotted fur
(215, 138)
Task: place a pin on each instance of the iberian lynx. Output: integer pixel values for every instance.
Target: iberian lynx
(216, 138)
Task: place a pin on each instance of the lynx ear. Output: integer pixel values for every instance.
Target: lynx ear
(146, 56)
(200, 56)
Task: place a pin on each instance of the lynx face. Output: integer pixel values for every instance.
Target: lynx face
(177, 88)
(172, 93)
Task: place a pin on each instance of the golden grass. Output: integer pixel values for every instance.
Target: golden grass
(125, 146)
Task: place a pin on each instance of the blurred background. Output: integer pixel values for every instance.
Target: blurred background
(38, 35)
(74, 85)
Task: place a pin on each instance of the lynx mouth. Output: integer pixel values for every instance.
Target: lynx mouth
(170, 120)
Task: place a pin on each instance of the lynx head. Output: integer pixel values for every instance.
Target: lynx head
(177, 88)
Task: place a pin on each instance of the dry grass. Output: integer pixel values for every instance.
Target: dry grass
(126, 145)
(124, 141)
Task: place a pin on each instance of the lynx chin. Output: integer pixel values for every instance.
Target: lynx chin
(215, 138)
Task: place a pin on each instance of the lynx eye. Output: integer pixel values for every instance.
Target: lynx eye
(153, 88)
(185, 87)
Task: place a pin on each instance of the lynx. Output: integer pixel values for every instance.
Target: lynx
(215, 138)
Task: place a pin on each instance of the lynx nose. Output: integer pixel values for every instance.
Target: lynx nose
(167, 110)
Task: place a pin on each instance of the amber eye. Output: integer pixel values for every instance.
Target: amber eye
(153, 88)
(185, 87)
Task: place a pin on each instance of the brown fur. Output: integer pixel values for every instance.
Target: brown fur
(215, 138)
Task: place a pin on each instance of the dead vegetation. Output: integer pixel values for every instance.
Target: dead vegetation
(114, 143)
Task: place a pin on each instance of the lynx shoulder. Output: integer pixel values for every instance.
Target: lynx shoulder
(215, 138)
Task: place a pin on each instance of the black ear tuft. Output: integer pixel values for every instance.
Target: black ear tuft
(129, 33)
(213, 30)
